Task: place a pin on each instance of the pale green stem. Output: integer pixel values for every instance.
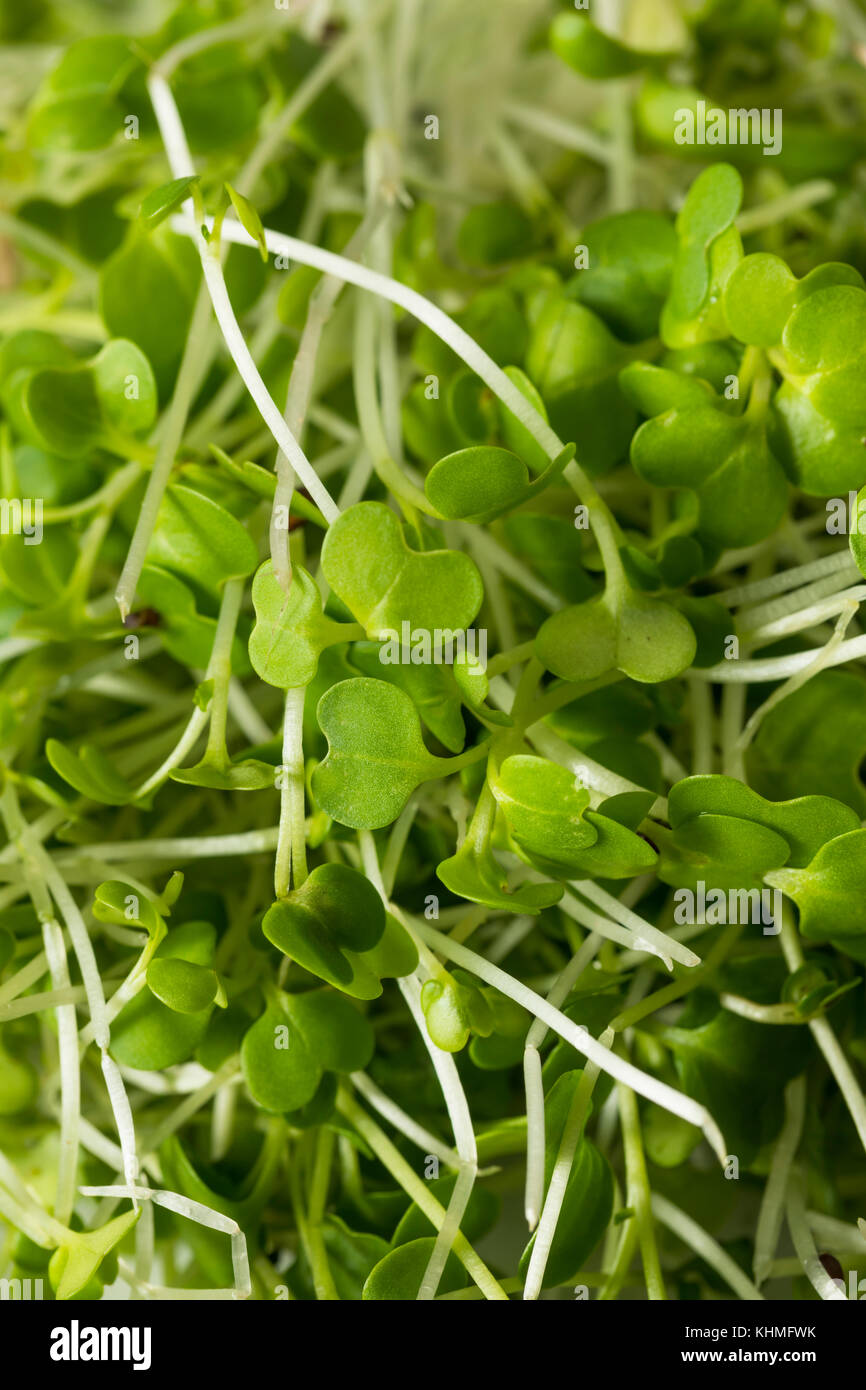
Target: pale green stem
(194, 363)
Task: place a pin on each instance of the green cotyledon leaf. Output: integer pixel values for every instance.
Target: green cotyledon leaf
(543, 808)
(398, 1276)
(369, 565)
(763, 292)
(328, 924)
(645, 637)
(479, 483)
(376, 755)
(299, 1037)
(76, 1263)
(434, 690)
(628, 271)
(806, 823)
(709, 248)
(453, 1008)
(829, 889)
(741, 487)
(146, 1033)
(814, 742)
(291, 630)
(722, 851)
(200, 540)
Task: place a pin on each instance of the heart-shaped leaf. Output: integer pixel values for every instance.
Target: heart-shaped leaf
(763, 292)
(369, 565)
(376, 755)
(829, 890)
(435, 691)
(721, 851)
(543, 808)
(291, 630)
(335, 1032)
(741, 487)
(814, 742)
(645, 637)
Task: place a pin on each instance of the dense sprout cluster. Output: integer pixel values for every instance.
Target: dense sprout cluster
(432, 702)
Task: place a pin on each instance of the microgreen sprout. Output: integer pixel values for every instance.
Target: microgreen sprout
(383, 500)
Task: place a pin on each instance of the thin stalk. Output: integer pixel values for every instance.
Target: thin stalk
(193, 366)
(419, 1192)
(638, 1195)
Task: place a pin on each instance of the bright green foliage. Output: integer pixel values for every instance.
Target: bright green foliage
(542, 650)
(709, 248)
(81, 1266)
(296, 1039)
(370, 565)
(149, 1033)
(644, 637)
(291, 630)
(376, 755)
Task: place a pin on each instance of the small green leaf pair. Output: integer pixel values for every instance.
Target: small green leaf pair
(729, 837)
(645, 637)
(164, 1023)
(369, 564)
(819, 409)
(336, 927)
(551, 826)
(291, 630)
(71, 407)
(456, 1006)
(300, 1037)
(692, 443)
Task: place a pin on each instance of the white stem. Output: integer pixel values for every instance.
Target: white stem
(614, 908)
(391, 1111)
(180, 160)
(804, 1245)
(703, 1245)
(648, 1086)
(773, 1202)
(778, 668)
(788, 579)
